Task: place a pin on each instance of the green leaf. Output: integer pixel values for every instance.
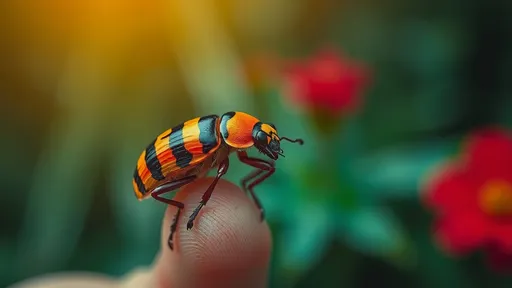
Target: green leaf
(326, 186)
(305, 237)
(436, 269)
(377, 231)
(397, 172)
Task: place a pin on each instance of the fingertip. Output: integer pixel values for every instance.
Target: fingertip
(228, 245)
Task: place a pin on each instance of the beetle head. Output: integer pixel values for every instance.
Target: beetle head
(268, 142)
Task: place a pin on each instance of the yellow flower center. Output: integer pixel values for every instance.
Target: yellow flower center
(496, 198)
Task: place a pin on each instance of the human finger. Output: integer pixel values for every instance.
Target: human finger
(68, 279)
(227, 247)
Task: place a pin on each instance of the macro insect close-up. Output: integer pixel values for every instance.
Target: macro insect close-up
(139, 145)
(186, 152)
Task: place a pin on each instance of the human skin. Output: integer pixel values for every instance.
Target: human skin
(227, 247)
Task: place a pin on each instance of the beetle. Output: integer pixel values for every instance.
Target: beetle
(186, 152)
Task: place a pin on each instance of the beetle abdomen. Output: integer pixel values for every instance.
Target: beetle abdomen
(174, 151)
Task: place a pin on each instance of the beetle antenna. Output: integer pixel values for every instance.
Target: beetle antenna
(298, 140)
(281, 152)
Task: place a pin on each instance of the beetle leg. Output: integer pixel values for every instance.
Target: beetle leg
(251, 186)
(256, 174)
(264, 170)
(223, 168)
(168, 187)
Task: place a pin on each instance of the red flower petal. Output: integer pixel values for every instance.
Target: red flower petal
(460, 233)
(456, 191)
(450, 190)
(501, 234)
(490, 154)
(327, 82)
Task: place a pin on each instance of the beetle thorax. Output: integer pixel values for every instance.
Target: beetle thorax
(236, 129)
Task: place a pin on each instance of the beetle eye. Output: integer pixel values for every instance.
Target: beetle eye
(261, 137)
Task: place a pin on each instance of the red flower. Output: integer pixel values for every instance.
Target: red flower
(473, 198)
(327, 83)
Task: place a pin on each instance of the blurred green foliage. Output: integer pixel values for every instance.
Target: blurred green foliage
(85, 86)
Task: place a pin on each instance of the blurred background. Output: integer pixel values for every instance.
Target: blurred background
(382, 92)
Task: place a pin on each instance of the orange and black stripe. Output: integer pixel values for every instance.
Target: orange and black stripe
(177, 148)
(153, 163)
(224, 123)
(181, 155)
(138, 185)
(209, 132)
